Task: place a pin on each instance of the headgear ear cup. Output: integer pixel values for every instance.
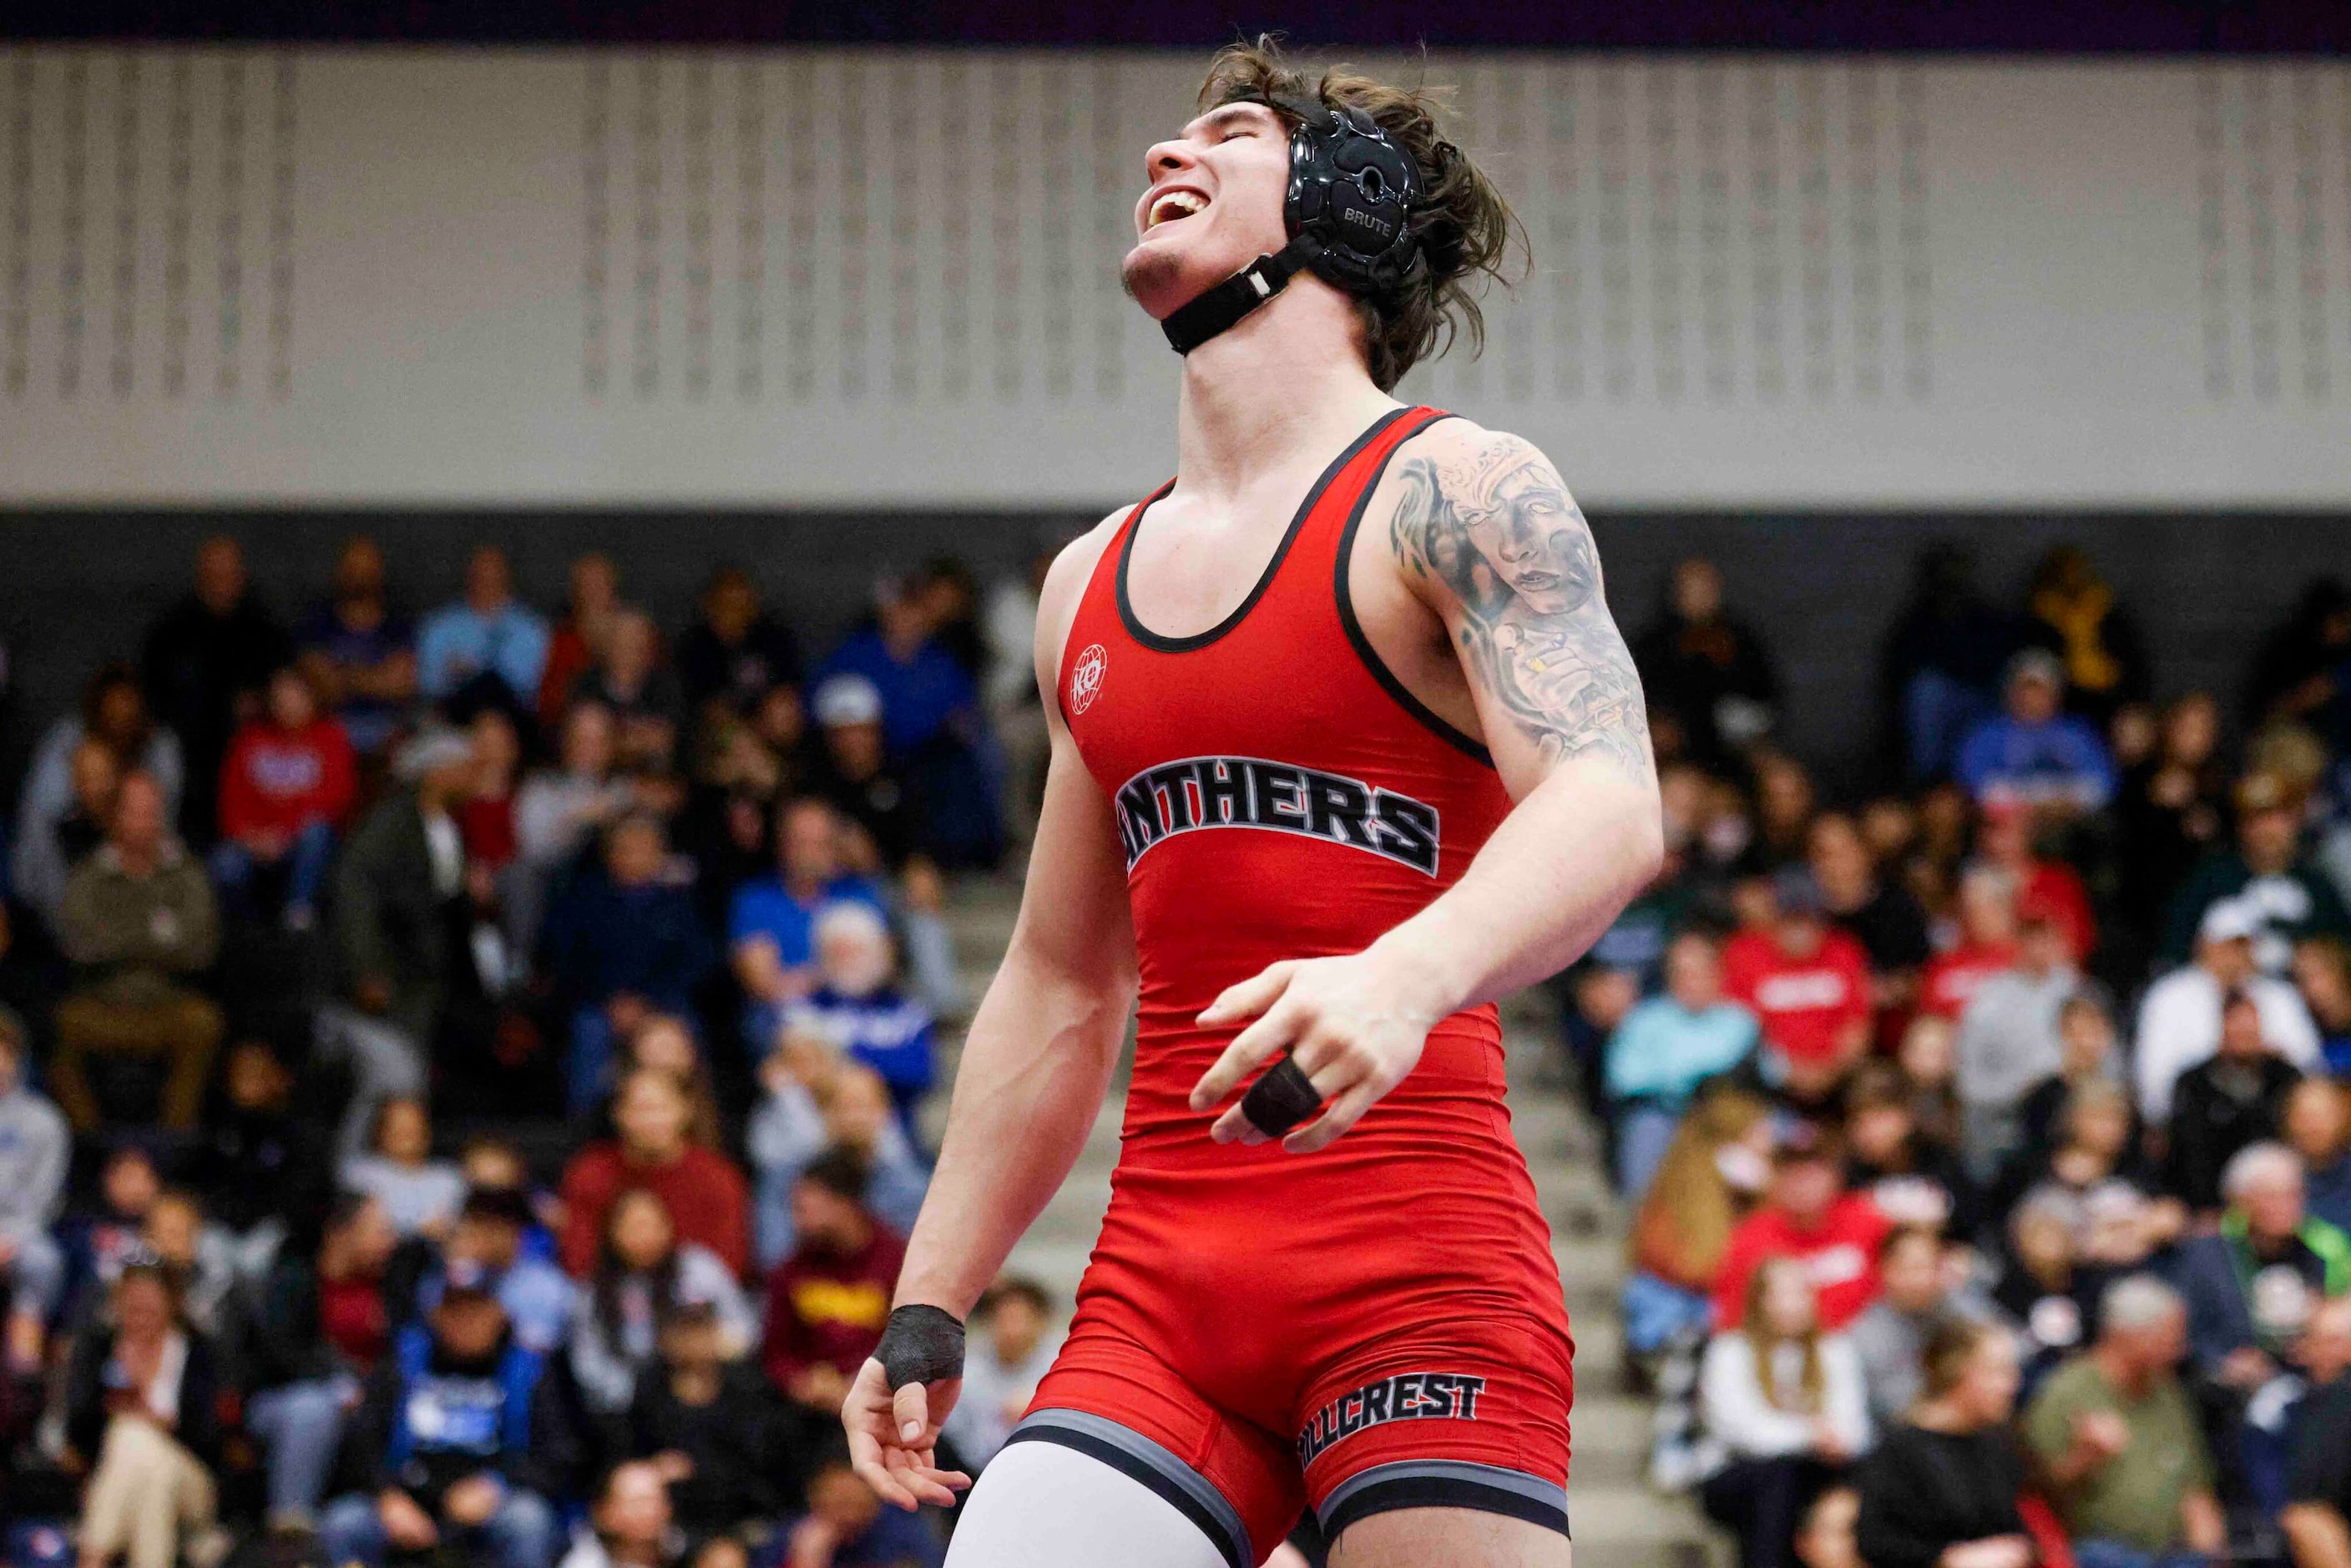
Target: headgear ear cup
(1351, 193)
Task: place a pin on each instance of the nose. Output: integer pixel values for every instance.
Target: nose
(1167, 158)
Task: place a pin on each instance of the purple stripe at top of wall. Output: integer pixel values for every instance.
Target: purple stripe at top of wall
(2031, 26)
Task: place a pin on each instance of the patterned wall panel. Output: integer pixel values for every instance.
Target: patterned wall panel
(883, 277)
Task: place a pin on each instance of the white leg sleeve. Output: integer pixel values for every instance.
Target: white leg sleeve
(1041, 1505)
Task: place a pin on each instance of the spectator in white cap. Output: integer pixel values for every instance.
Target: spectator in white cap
(885, 828)
(2179, 1020)
(858, 776)
(2032, 751)
(848, 700)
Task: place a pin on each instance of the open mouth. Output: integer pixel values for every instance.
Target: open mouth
(1173, 206)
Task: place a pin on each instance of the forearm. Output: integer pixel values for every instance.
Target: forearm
(1549, 881)
(1036, 1065)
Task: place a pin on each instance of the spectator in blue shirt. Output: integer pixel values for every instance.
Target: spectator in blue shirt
(2032, 751)
(488, 1240)
(627, 943)
(450, 1443)
(1665, 1049)
(857, 1005)
(771, 931)
(922, 689)
(488, 634)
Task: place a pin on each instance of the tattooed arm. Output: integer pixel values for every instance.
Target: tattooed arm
(1485, 535)
(1488, 539)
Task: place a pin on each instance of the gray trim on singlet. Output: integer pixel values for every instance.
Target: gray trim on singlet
(1549, 1493)
(1163, 1462)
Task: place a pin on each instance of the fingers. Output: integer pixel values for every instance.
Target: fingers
(865, 1416)
(911, 1410)
(1341, 1114)
(1249, 997)
(1251, 1049)
(865, 1456)
(1329, 1065)
(923, 1480)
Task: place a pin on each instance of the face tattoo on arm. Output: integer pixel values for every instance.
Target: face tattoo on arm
(1496, 527)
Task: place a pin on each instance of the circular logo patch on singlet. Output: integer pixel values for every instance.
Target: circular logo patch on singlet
(1086, 679)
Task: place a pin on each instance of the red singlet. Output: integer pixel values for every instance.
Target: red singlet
(1378, 1324)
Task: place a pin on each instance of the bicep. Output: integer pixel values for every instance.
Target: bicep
(1074, 915)
(1488, 535)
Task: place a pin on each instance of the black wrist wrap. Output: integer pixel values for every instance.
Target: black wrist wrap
(920, 1344)
(1282, 1098)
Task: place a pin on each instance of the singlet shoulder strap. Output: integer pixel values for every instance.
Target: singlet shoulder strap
(1343, 550)
(1096, 611)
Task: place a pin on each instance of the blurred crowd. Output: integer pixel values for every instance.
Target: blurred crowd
(462, 1074)
(466, 1079)
(1984, 1129)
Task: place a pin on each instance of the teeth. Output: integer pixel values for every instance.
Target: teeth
(1174, 204)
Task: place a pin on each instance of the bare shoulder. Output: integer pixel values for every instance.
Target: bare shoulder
(1057, 599)
(1486, 532)
(1455, 474)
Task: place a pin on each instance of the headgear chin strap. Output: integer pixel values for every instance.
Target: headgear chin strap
(1348, 209)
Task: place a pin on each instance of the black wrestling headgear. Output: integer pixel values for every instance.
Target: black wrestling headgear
(1348, 209)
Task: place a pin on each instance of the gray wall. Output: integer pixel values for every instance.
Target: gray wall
(79, 587)
(889, 278)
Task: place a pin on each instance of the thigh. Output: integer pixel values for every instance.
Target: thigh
(1454, 1537)
(1041, 1505)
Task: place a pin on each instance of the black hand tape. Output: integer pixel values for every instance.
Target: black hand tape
(1282, 1098)
(920, 1344)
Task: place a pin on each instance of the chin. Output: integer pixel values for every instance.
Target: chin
(1153, 279)
(1165, 272)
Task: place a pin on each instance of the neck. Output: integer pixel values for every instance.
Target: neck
(1287, 378)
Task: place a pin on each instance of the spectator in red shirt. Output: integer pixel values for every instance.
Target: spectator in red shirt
(286, 790)
(1987, 944)
(1806, 982)
(707, 1197)
(828, 1301)
(1809, 1215)
(2004, 838)
(485, 822)
(578, 642)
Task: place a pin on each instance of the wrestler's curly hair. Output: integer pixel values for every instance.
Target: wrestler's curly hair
(1468, 230)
